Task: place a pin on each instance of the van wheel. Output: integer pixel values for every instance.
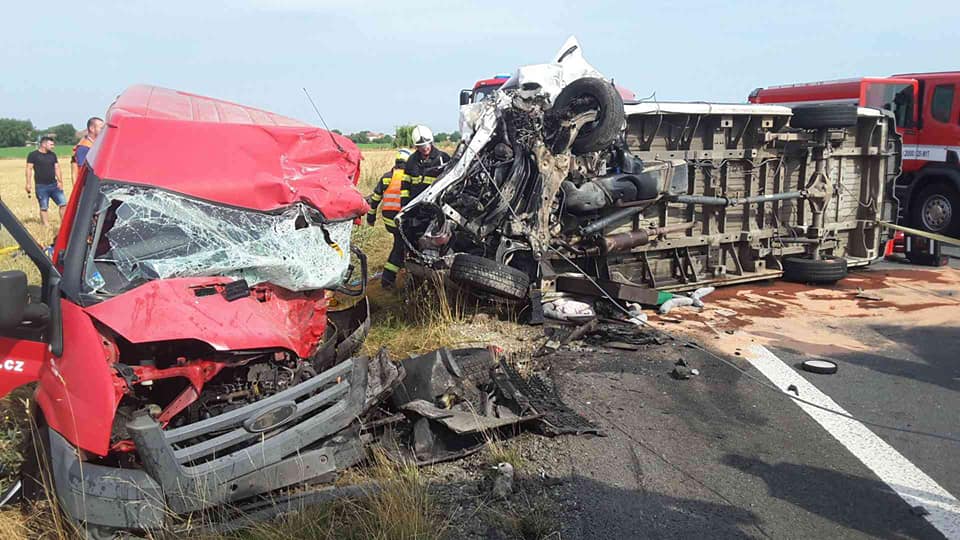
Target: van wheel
(824, 115)
(489, 276)
(829, 269)
(937, 209)
(592, 93)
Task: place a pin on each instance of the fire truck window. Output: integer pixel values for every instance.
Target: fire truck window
(897, 98)
(942, 103)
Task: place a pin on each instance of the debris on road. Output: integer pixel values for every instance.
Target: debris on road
(675, 302)
(867, 295)
(823, 367)
(568, 309)
(502, 481)
(681, 373)
(457, 398)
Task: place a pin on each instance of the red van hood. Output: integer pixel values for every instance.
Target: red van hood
(170, 309)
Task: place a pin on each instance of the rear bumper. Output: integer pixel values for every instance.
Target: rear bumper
(222, 460)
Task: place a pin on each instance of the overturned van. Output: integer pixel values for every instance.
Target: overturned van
(180, 338)
(559, 177)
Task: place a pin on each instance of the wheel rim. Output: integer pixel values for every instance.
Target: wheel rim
(936, 212)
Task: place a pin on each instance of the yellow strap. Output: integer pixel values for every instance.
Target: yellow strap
(6, 250)
(925, 234)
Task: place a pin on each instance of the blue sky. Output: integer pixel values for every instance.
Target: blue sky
(376, 64)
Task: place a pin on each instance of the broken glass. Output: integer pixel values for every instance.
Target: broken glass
(149, 234)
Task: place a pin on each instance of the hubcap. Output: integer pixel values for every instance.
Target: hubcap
(936, 213)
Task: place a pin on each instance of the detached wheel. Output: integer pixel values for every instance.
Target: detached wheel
(805, 270)
(937, 209)
(591, 93)
(824, 115)
(489, 276)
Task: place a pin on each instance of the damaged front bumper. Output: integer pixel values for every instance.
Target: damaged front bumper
(305, 434)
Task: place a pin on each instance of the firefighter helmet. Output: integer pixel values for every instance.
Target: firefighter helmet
(402, 155)
(422, 136)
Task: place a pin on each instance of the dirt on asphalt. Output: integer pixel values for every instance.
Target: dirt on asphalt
(714, 456)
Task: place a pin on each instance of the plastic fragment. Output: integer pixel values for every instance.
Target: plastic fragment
(698, 295)
(675, 302)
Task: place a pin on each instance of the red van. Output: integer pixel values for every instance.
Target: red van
(180, 339)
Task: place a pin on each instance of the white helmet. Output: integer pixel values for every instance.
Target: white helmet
(422, 136)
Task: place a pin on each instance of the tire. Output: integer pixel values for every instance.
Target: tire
(936, 209)
(593, 93)
(805, 270)
(824, 115)
(489, 276)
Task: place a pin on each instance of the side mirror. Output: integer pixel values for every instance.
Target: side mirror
(465, 96)
(13, 298)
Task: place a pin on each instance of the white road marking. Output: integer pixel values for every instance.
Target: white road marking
(903, 477)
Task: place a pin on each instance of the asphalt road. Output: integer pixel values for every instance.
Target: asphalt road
(720, 456)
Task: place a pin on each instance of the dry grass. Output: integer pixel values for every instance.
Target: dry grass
(26, 208)
(400, 508)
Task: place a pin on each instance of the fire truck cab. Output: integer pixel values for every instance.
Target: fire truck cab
(482, 89)
(927, 111)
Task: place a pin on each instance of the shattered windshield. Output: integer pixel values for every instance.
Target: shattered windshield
(141, 234)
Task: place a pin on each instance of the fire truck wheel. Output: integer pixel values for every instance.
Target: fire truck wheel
(824, 115)
(593, 93)
(828, 269)
(489, 276)
(936, 208)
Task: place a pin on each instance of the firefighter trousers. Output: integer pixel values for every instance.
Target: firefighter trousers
(395, 260)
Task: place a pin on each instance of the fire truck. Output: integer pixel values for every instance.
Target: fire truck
(926, 107)
(482, 89)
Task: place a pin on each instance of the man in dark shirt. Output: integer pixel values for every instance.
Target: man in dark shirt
(43, 166)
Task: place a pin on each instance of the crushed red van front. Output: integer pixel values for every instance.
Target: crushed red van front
(180, 337)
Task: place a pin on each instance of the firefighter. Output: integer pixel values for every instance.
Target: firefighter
(424, 166)
(388, 191)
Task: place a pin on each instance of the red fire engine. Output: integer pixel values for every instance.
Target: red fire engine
(926, 106)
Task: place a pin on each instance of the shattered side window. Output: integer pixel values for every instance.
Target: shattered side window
(145, 234)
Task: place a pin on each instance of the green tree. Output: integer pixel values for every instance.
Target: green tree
(403, 136)
(455, 136)
(337, 131)
(361, 137)
(441, 137)
(64, 134)
(386, 139)
(15, 132)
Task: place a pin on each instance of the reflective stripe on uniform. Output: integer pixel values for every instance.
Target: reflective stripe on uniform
(416, 180)
(389, 223)
(376, 197)
(390, 267)
(404, 192)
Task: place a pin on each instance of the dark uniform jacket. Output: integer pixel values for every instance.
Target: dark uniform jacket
(420, 172)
